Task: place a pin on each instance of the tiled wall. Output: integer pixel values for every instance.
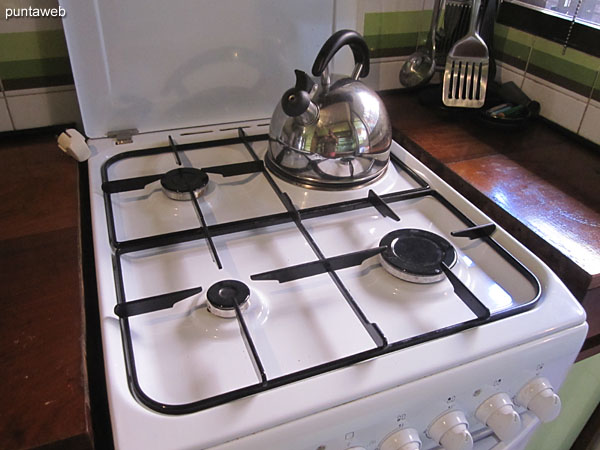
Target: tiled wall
(392, 29)
(36, 84)
(36, 87)
(567, 86)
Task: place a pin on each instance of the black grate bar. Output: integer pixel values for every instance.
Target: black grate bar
(346, 361)
(230, 170)
(174, 150)
(320, 266)
(411, 173)
(535, 283)
(268, 177)
(256, 362)
(248, 224)
(468, 298)
(476, 232)
(155, 303)
(246, 391)
(206, 231)
(382, 206)
(372, 328)
(192, 234)
(129, 184)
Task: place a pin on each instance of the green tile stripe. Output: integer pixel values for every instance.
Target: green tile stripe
(395, 22)
(573, 56)
(394, 33)
(563, 72)
(575, 70)
(34, 59)
(512, 46)
(391, 44)
(37, 82)
(596, 91)
(34, 68)
(32, 45)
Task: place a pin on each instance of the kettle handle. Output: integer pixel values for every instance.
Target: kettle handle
(357, 44)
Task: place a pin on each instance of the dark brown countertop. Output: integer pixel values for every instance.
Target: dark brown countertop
(43, 389)
(538, 183)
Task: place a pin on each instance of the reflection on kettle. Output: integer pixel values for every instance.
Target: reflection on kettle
(331, 136)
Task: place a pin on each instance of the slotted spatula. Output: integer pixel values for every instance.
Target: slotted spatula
(466, 71)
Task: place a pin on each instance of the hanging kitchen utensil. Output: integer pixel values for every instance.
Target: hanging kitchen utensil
(331, 136)
(418, 69)
(451, 28)
(466, 72)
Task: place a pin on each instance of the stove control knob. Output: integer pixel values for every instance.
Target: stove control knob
(498, 413)
(451, 431)
(404, 439)
(539, 397)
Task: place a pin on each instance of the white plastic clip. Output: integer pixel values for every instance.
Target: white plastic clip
(73, 143)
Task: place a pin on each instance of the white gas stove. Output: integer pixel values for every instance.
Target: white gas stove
(257, 313)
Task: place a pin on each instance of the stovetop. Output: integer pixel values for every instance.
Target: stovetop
(181, 358)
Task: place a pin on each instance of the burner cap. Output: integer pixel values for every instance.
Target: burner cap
(416, 255)
(177, 183)
(222, 297)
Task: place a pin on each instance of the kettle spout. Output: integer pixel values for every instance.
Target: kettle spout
(296, 102)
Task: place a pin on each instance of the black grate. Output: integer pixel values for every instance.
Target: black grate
(126, 308)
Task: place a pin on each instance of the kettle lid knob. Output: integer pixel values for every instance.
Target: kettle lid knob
(295, 101)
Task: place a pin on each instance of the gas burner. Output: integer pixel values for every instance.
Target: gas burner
(223, 295)
(178, 183)
(416, 255)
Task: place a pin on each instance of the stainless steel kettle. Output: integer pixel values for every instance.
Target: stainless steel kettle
(331, 136)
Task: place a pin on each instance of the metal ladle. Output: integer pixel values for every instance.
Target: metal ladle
(420, 66)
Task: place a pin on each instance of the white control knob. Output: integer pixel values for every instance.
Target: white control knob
(451, 431)
(498, 413)
(539, 397)
(404, 439)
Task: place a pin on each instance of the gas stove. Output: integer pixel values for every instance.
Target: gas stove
(241, 310)
(265, 305)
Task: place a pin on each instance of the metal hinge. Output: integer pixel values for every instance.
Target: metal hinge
(123, 136)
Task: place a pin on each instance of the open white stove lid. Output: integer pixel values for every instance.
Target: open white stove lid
(154, 65)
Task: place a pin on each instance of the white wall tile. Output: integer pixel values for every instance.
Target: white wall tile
(384, 75)
(557, 106)
(345, 17)
(506, 73)
(557, 88)
(590, 127)
(44, 109)
(5, 123)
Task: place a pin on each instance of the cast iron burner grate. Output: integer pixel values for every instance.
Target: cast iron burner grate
(126, 308)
